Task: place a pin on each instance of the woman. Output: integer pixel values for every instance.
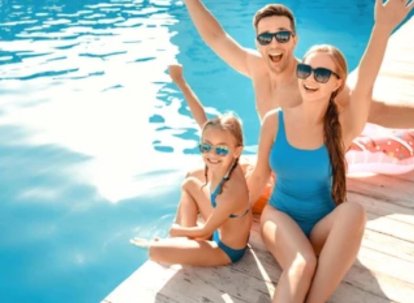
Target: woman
(308, 227)
(222, 201)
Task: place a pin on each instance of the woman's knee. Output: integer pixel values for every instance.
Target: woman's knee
(303, 266)
(355, 213)
(268, 225)
(351, 218)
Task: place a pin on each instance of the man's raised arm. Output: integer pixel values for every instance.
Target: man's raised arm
(217, 39)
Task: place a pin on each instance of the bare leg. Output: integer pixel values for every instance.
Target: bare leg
(337, 237)
(193, 201)
(294, 253)
(188, 252)
(187, 210)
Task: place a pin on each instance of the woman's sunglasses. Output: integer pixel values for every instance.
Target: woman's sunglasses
(281, 37)
(320, 74)
(220, 150)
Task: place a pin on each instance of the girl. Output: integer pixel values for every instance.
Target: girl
(222, 201)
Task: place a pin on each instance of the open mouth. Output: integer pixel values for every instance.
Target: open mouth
(275, 57)
(212, 161)
(310, 89)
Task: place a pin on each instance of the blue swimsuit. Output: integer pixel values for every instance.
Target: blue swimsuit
(304, 179)
(234, 254)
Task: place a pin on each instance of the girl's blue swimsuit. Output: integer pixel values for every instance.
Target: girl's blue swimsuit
(234, 254)
(304, 179)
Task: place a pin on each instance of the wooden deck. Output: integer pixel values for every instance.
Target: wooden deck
(384, 270)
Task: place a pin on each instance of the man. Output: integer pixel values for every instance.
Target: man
(272, 68)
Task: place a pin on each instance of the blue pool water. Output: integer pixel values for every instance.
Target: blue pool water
(94, 138)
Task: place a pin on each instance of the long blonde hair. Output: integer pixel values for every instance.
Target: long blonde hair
(332, 127)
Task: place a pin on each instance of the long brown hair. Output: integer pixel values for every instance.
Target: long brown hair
(229, 123)
(332, 127)
(274, 10)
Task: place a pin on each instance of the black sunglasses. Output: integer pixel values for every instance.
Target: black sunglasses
(281, 37)
(320, 74)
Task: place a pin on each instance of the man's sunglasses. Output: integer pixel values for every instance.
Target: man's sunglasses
(281, 37)
(320, 74)
(220, 150)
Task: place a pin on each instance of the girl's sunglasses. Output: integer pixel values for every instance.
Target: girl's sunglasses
(281, 37)
(220, 150)
(320, 74)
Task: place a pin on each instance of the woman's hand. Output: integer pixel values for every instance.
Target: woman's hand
(389, 14)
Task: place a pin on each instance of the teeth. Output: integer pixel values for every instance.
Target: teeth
(275, 57)
(275, 53)
(213, 161)
(310, 88)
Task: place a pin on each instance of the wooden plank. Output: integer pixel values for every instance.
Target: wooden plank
(192, 284)
(379, 208)
(388, 226)
(347, 293)
(388, 245)
(384, 188)
(383, 275)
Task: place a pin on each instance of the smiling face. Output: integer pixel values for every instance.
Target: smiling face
(276, 55)
(313, 90)
(219, 140)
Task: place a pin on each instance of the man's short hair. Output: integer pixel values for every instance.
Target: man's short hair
(274, 10)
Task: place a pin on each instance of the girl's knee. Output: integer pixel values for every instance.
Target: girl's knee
(190, 183)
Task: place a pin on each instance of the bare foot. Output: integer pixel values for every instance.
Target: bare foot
(140, 242)
(143, 243)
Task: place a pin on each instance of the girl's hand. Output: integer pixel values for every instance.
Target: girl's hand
(176, 72)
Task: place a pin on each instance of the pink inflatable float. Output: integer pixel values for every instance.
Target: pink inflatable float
(381, 151)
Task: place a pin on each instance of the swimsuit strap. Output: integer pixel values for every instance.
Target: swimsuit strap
(216, 192)
(239, 216)
(218, 189)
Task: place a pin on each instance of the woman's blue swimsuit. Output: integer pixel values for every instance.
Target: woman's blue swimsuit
(304, 180)
(234, 254)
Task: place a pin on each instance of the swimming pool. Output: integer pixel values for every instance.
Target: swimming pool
(95, 140)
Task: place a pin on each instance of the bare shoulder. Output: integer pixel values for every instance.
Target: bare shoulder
(235, 189)
(343, 98)
(271, 119)
(255, 62)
